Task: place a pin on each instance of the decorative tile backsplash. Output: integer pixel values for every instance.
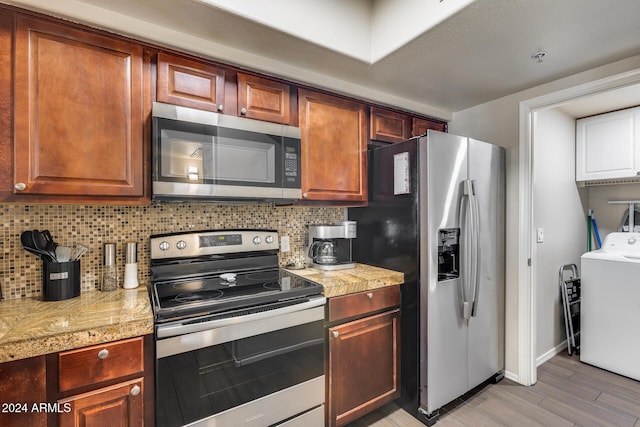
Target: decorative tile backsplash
(93, 226)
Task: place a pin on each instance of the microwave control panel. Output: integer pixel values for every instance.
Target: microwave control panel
(290, 164)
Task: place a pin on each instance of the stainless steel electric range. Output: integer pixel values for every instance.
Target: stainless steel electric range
(239, 341)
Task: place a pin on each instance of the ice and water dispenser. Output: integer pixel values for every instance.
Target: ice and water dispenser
(448, 253)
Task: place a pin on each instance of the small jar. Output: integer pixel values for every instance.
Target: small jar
(109, 269)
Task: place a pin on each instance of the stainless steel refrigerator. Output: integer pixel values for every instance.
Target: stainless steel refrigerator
(436, 212)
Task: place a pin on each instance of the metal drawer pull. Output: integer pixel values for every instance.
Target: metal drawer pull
(370, 295)
(135, 390)
(335, 334)
(103, 354)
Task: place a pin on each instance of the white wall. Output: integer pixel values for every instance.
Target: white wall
(559, 208)
(498, 122)
(608, 216)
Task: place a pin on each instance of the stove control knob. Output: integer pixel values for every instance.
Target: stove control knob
(164, 245)
(268, 239)
(257, 240)
(181, 244)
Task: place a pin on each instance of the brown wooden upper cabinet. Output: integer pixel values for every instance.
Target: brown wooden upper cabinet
(264, 99)
(78, 112)
(190, 83)
(334, 148)
(420, 126)
(388, 126)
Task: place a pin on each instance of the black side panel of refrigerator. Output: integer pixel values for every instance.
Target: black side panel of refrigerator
(388, 237)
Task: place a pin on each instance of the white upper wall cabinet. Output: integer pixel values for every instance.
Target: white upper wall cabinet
(608, 146)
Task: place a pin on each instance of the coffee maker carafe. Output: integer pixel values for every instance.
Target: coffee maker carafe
(329, 246)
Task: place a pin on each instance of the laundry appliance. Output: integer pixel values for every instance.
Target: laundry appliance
(610, 305)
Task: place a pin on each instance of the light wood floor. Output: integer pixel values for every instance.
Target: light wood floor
(568, 393)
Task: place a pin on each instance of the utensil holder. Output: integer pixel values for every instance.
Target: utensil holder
(60, 280)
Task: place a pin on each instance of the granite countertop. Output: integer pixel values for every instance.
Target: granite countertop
(31, 327)
(342, 282)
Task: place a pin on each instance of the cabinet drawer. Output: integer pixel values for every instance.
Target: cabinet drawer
(351, 305)
(99, 363)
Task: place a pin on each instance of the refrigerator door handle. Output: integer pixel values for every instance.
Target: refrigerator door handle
(475, 278)
(471, 229)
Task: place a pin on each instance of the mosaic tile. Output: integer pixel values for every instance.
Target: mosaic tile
(95, 225)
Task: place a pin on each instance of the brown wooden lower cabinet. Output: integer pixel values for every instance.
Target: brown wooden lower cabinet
(363, 366)
(22, 390)
(110, 384)
(120, 405)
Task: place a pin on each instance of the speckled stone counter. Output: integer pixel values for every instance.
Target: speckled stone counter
(30, 327)
(343, 282)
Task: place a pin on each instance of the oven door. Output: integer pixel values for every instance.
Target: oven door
(256, 370)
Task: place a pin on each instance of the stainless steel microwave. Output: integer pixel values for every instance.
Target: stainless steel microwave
(214, 157)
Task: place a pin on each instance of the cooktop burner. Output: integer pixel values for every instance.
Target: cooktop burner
(214, 294)
(210, 272)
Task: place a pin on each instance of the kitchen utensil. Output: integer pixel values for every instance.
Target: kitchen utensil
(77, 251)
(63, 253)
(26, 238)
(40, 243)
(51, 244)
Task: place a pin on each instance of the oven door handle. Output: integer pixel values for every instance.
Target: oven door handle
(165, 331)
(177, 339)
(244, 361)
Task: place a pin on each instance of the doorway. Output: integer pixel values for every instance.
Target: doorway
(530, 112)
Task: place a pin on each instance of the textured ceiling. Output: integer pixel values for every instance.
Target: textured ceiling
(481, 53)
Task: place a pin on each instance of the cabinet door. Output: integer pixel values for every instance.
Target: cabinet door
(334, 148)
(6, 105)
(388, 126)
(190, 83)
(420, 126)
(364, 366)
(78, 112)
(264, 99)
(120, 405)
(608, 146)
(22, 385)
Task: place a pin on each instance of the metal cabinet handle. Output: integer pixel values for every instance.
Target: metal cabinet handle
(21, 186)
(305, 195)
(135, 390)
(221, 108)
(103, 354)
(370, 295)
(335, 334)
(243, 111)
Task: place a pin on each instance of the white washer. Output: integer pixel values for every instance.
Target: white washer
(610, 305)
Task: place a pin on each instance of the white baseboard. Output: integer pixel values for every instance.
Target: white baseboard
(511, 376)
(549, 354)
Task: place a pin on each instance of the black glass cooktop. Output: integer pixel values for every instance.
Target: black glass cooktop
(214, 294)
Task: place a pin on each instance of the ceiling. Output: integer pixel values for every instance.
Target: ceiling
(481, 52)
